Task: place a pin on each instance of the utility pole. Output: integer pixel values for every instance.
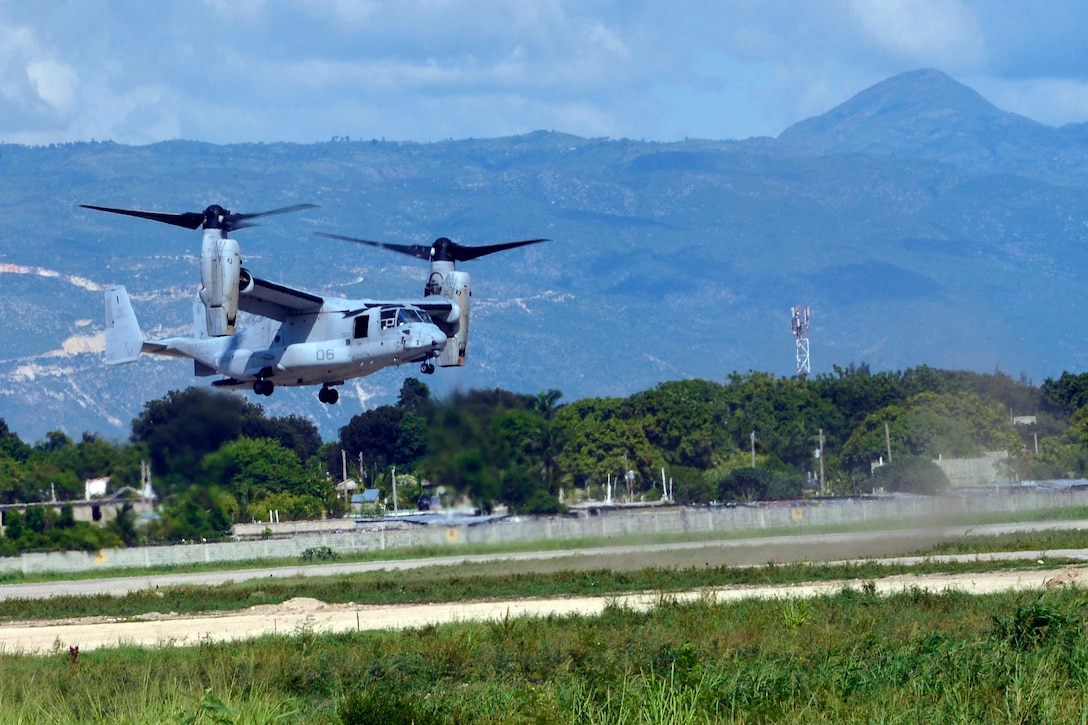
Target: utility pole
(753, 449)
(823, 480)
(888, 440)
(396, 508)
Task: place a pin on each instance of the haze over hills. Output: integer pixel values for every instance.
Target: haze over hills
(921, 224)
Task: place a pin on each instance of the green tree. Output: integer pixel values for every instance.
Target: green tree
(1066, 395)
(373, 435)
(199, 512)
(1064, 455)
(412, 439)
(251, 469)
(14, 526)
(293, 432)
(911, 474)
(601, 440)
(11, 446)
(184, 426)
(759, 484)
(124, 525)
(415, 397)
(932, 425)
(685, 421)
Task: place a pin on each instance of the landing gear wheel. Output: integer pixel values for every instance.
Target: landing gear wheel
(328, 396)
(263, 387)
(427, 368)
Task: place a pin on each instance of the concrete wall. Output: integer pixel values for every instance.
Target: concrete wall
(600, 523)
(988, 468)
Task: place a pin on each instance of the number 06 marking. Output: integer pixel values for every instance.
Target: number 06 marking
(327, 354)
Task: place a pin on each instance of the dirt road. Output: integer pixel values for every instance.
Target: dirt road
(298, 615)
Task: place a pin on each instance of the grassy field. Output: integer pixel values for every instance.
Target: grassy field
(851, 656)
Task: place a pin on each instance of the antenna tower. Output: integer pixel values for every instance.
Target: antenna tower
(800, 333)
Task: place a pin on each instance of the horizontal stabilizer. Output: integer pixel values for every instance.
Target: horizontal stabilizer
(123, 337)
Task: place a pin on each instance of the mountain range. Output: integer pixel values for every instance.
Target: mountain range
(919, 223)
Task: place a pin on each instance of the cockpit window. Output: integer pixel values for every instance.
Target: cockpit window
(407, 316)
(397, 316)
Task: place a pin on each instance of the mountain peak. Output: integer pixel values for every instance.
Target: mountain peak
(920, 112)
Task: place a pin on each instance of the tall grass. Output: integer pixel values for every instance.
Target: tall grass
(851, 657)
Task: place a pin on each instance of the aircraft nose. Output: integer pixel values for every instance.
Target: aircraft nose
(429, 338)
(438, 340)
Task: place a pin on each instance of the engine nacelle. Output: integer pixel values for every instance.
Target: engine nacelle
(220, 269)
(456, 287)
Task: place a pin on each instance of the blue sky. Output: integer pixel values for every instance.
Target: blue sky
(228, 71)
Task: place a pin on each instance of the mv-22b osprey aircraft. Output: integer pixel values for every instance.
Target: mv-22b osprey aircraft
(303, 339)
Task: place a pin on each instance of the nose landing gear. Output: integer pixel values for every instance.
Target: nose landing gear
(263, 387)
(427, 368)
(328, 395)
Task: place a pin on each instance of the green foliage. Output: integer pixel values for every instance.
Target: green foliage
(184, 426)
(293, 432)
(934, 425)
(692, 486)
(910, 474)
(124, 525)
(786, 415)
(380, 704)
(291, 507)
(759, 484)
(411, 443)
(415, 398)
(603, 438)
(196, 514)
(250, 469)
(1066, 395)
(15, 525)
(541, 503)
(1038, 624)
(11, 446)
(319, 553)
(373, 435)
(496, 446)
(41, 528)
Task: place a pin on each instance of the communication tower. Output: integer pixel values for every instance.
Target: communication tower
(800, 333)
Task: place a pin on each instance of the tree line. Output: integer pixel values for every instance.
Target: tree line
(218, 459)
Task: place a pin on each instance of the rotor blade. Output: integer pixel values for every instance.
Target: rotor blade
(189, 220)
(444, 248)
(284, 210)
(461, 253)
(237, 221)
(412, 250)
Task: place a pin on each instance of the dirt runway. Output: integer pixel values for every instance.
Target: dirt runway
(300, 615)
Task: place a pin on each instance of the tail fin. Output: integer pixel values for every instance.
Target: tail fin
(123, 336)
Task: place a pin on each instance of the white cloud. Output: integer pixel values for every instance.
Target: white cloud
(269, 70)
(1053, 101)
(936, 33)
(55, 83)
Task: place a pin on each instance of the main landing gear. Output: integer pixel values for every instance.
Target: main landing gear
(263, 387)
(328, 395)
(427, 368)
